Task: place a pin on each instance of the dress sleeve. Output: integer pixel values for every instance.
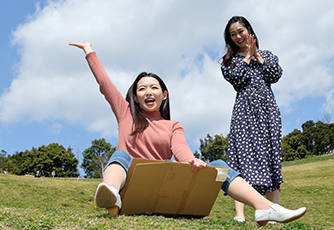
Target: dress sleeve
(179, 146)
(108, 89)
(271, 70)
(239, 75)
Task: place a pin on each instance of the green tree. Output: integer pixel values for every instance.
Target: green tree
(45, 159)
(331, 137)
(56, 158)
(318, 137)
(288, 154)
(213, 148)
(3, 154)
(292, 147)
(308, 136)
(322, 139)
(96, 157)
(197, 154)
(17, 163)
(314, 139)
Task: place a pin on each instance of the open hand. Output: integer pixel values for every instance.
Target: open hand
(85, 46)
(251, 45)
(252, 50)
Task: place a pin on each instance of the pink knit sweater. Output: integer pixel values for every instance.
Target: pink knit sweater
(159, 141)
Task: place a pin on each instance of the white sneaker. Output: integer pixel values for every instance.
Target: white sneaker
(239, 219)
(107, 196)
(279, 214)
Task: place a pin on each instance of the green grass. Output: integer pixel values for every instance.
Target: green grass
(309, 160)
(46, 203)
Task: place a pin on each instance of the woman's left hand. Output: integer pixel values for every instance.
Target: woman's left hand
(251, 45)
(252, 50)
(197, 164)
(85, 46)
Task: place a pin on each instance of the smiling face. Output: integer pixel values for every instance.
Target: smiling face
(238, 34)
(149, 94)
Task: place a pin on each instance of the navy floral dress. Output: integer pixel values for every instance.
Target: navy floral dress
(255, 132)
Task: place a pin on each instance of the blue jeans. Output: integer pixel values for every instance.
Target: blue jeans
(230, 175)
(124, 159)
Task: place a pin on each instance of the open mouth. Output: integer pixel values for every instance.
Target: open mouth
(241, 41)
(149, 101)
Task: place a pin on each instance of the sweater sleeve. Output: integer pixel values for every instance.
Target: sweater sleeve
(180, 148)
(107, 88)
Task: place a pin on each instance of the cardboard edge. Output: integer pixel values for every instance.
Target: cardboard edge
(136, 162)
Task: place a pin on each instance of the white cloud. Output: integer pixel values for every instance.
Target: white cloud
(298, 32)
(179, 40)
(202, 100)
(55, 128)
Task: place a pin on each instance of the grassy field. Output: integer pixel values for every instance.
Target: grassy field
(46, 203)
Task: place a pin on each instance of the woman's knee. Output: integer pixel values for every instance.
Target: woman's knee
(121, 158)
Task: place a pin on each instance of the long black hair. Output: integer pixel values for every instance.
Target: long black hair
(139, 120)
(231, 47)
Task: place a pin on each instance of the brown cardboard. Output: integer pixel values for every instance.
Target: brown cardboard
(170, 188)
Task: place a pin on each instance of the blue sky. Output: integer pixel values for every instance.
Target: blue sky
(49, 95)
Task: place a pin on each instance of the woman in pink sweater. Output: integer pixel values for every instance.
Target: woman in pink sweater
(146, 131)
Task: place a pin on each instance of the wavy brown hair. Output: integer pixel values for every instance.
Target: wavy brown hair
(139, 120)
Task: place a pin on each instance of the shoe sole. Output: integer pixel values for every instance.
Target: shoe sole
(104, 197)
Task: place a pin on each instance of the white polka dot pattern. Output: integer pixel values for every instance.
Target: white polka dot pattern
(255, 132)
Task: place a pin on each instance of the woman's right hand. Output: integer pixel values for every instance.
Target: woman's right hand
(251, 45)
(197, 164)
(85, 46)
(251, 48)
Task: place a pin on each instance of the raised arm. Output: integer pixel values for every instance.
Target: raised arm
(117, 102)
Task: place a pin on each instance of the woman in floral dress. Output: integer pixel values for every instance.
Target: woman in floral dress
(255, 132)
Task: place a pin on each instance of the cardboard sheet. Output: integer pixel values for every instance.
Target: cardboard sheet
(170, 188)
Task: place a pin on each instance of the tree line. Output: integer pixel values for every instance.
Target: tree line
(45, 159)
(314, 139)
(55, 160)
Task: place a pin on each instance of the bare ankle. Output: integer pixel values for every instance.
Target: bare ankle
(264, 206)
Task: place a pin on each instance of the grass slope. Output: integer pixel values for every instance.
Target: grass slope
(46, 203)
